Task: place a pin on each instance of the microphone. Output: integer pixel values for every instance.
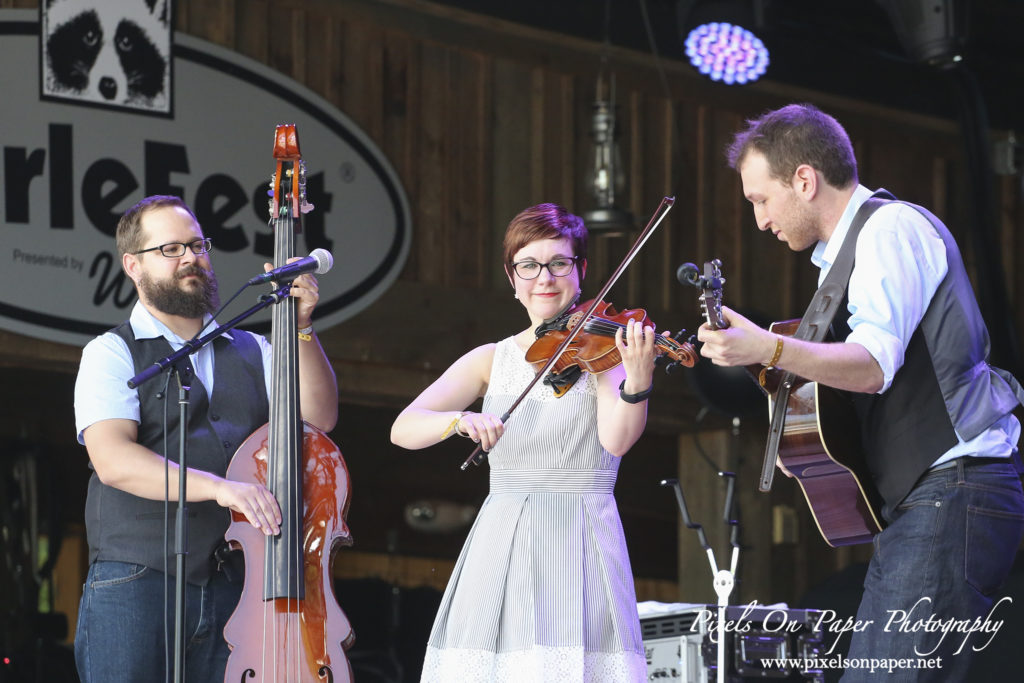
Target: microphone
(319, 261)
(687, 274)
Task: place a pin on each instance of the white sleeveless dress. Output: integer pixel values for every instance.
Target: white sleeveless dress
(542, 590)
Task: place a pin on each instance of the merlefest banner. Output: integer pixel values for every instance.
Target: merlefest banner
(77, 153)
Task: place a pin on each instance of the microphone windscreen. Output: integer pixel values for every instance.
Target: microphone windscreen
(688, 274)
(324, 260)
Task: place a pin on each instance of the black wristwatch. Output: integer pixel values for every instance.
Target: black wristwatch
(635, 398)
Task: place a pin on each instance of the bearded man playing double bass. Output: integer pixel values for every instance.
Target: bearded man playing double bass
(125, 620)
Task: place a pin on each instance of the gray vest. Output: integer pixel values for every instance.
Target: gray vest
(944, 383)
(125, 528)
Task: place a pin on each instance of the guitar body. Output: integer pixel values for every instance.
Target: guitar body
(820, 446)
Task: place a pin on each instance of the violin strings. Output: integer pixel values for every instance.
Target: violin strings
(609, 327)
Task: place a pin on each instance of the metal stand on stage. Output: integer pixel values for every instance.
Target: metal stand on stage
(723, 579)
(746, 643)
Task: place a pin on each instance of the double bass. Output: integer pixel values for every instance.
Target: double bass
(288, 627)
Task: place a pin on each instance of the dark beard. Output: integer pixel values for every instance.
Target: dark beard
(168, 296)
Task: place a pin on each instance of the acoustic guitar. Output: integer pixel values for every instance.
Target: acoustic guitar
(820, 442)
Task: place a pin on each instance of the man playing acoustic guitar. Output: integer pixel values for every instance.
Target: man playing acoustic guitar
(938, 434)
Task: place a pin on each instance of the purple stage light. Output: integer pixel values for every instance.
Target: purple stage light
(727, 53)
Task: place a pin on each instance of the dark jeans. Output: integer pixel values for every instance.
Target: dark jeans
(121, 628)
(943, 557)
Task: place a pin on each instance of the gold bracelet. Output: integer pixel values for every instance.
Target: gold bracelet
(762, 377)
(453, 426)
(777, 354)
(306, 333)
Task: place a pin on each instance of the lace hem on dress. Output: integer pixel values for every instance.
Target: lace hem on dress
(536, 665)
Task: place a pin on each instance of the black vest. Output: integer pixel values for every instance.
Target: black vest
(944, 387)
(125, 528)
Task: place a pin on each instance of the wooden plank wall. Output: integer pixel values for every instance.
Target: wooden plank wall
(481, 118)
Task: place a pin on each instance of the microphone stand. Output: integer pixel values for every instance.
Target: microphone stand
(724, 579)
(181, 367)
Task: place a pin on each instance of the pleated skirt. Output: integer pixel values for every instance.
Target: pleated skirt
(542, 590)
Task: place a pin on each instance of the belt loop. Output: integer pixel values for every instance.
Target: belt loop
(960, 466)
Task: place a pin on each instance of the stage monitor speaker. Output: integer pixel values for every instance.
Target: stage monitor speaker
(681, 645)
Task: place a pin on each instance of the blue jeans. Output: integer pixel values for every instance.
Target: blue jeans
(943, 557)
(121, 632)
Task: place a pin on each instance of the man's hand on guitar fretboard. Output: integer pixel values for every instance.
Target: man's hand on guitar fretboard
(741, 343)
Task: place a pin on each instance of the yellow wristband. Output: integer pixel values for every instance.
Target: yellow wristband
(306, 333)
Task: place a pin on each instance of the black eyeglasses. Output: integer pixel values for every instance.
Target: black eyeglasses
(177, 249)
(558, 267)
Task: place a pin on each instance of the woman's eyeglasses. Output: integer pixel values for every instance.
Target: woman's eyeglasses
(559, 267)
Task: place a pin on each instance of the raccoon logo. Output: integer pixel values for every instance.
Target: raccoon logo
(114, 53)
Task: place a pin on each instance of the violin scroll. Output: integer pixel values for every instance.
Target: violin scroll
(686, 355)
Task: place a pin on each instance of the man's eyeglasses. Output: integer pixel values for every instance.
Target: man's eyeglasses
(559, 267)
(177, 249)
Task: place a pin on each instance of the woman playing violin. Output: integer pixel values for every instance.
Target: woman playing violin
(542, 590)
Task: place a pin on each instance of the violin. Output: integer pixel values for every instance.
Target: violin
(593, 348)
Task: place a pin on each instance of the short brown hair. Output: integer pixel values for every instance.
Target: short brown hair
(793, 135)
(542, 222)
(129, 227)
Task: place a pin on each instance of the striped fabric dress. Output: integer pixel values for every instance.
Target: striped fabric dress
(542, 590)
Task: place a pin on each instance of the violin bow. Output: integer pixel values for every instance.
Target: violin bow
(477, 456)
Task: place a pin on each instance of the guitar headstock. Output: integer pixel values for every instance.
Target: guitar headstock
(711, 294)
(288, 185)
